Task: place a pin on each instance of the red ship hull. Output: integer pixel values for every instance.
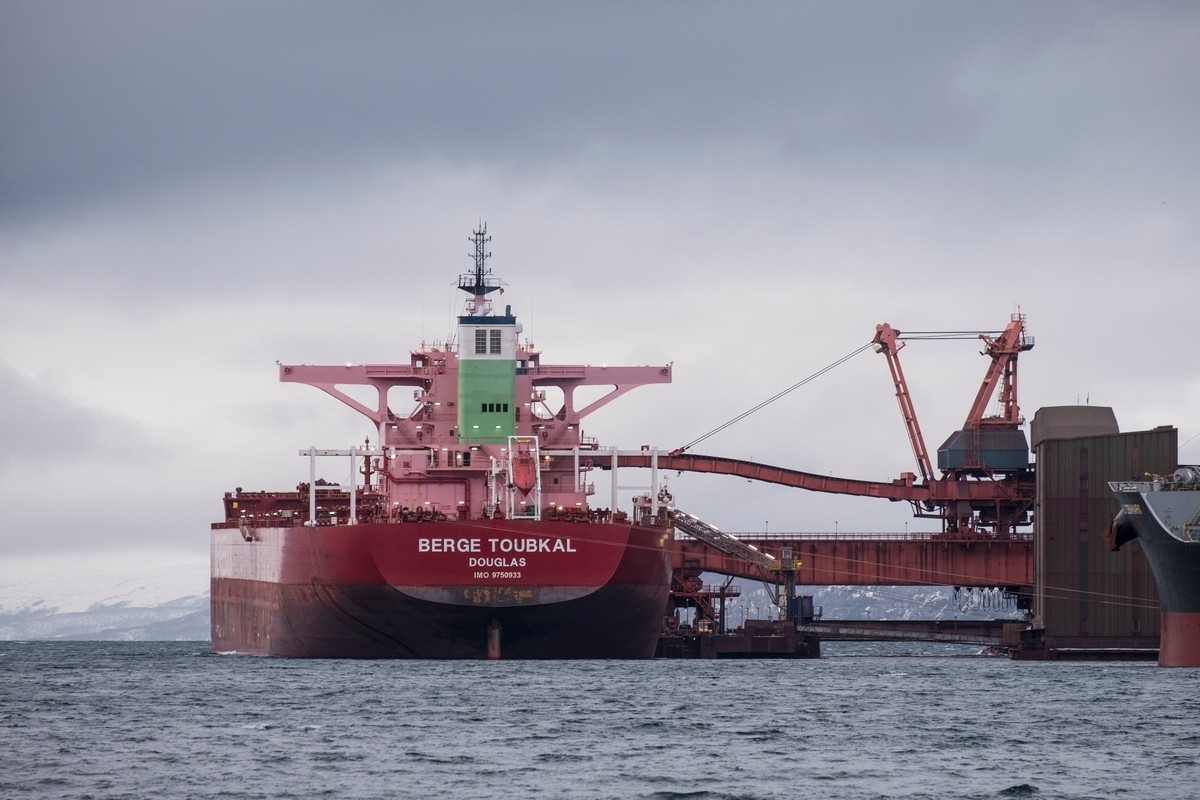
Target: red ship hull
(500, 588)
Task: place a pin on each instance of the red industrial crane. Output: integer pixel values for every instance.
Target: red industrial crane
(987, 484)
(888, 340)
(1002, 372)
(985, 446)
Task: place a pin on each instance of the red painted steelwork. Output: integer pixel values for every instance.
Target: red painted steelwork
(877, 562)
(1003, 373)
(1003, 503)
(887, 338)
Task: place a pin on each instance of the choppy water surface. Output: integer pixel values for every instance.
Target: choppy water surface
(140, 720)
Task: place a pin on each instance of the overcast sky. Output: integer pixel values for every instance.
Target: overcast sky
(192, 191)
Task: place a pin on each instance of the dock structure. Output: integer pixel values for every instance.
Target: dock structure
(847, 559)
(757, 638)
(1033, 528)
(985, 633)
(874, 559)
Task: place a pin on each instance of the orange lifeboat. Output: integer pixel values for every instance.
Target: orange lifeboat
(524, 470)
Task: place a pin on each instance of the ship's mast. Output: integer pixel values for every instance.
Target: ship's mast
(480, 282)
(487, 358)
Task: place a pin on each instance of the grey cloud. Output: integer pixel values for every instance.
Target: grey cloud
(39, 426)
(108, 99)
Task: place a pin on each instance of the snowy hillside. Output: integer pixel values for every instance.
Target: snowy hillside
(134, 595)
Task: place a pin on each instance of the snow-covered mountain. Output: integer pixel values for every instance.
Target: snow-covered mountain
(137, 595)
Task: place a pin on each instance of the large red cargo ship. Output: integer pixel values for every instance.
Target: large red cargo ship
(467, 530)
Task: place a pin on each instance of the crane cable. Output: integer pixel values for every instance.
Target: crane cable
(768, 401)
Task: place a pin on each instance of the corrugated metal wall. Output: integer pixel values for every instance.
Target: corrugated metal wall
(1083, 589)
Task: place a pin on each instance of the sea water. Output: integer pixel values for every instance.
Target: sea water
(166, 720)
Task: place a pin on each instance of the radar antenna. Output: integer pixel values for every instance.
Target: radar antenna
(479, 282)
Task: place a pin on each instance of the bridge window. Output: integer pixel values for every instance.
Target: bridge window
(480, 341)
(495, 341)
